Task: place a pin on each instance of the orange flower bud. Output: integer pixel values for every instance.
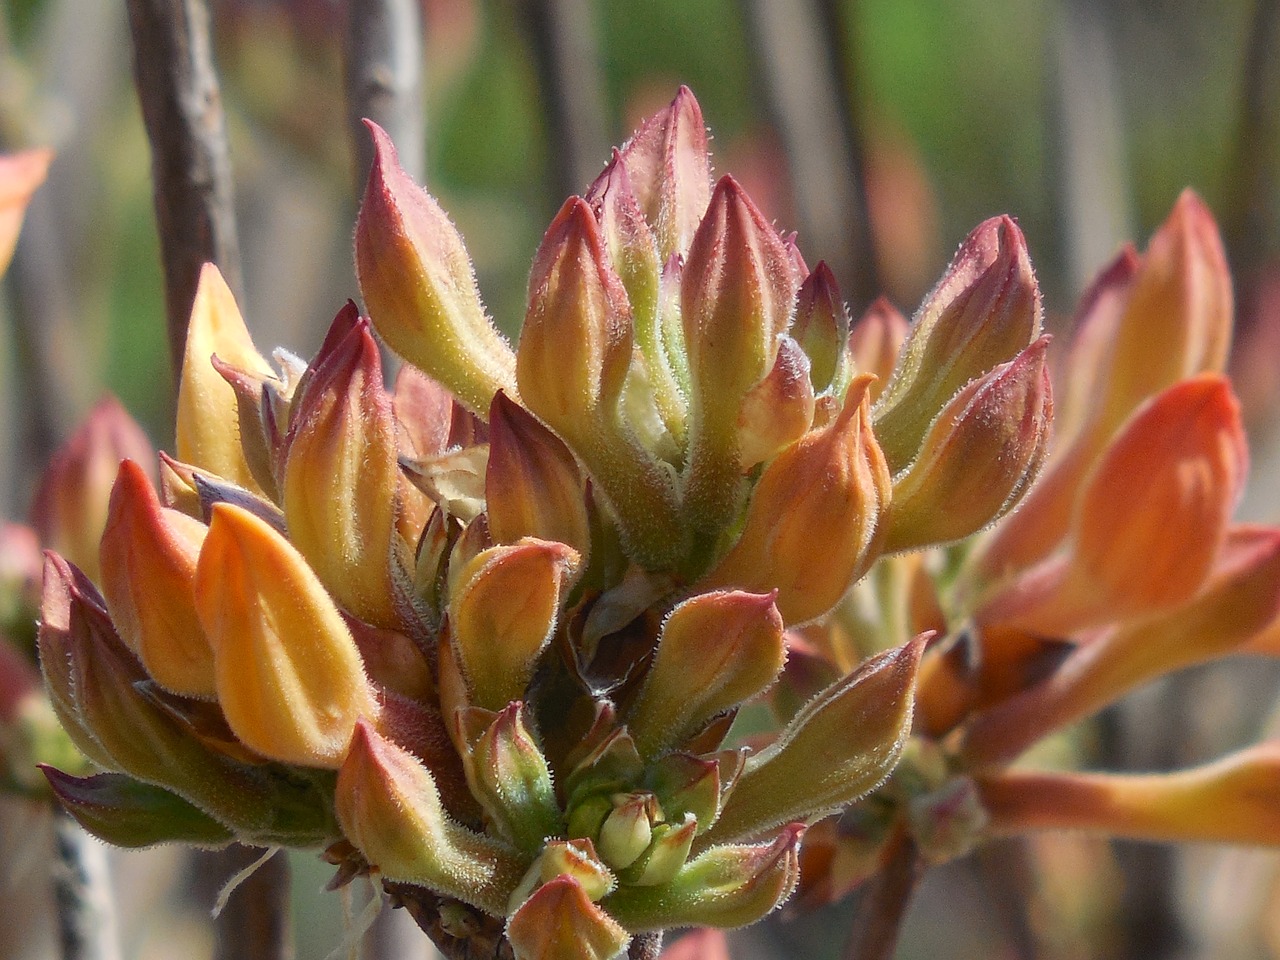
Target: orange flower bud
(1180, 300)
(559, 922)
(1149, 522)
(289, 676)
(812, 523)
(508, 774)
(390, 808)
(20, 176)
(533, 485)
(736, 297)
(70, 507)
(876, 341)
(575, 346)
(208, 428)
(979, 455)
(502, 613)
(1233, 800)
(821, 327)
(841, 745)
(778, 410)
(341, 477)
(418, 284)
(148, 556)
(670, 170)
(715, 651)
(983, 312)
(728, 886)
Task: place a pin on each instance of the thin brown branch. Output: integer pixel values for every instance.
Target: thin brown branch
(645, 946)
(562, 35)
(383, 50)
(255, 923)
(884, 902)
(805, 69)
(190, 159)
(82, 894)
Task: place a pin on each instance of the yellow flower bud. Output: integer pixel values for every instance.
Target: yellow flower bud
(289, 676)
(208, 429)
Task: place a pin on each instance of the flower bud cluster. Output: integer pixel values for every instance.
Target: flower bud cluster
(485, 633)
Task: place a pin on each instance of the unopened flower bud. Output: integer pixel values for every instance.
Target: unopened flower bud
(670, 171)
(841, 745)
(575, 345)
(418, 284)
(502, 613)
(1148, 523)
(574, 858)
(389, 807)
(728, 886)
(687, 786)
(979, 456)
(715, 651)
(666, 854)
(208, 429)
(70, 507)
(559, 922)
(533, 485)
(1181, 299)
(876, 341)
(813, 520)
(508, 774)
(736, 297)
(149, 555)
(627, 830)
(778, 410)
(341, 477)
(821, 327)
(289, 676)
(984, 311)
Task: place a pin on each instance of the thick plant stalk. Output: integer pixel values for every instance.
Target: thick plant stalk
(190, 160)
(384, 62)
(87, 927)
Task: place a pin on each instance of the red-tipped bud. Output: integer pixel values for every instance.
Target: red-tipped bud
(289, 676)
(148, 556)
(341, 476)
(502, 613)
(715, 651)
(70, 507)
(984, 311)
(559, 922)
(875, 342)
(575, 346)
(533, 484)
(840, 746)
(508, 774)
(670, 170)
(418, 283)
(821, 327)
(736, 297)
(979, 456)
(389, 807)
(812, 523)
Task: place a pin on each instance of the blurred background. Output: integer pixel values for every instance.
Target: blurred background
(880, 130)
